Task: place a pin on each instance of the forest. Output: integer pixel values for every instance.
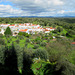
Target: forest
(39, 54)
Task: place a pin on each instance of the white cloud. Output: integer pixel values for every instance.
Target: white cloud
(61, 12)
(7, 10)
(37, 7)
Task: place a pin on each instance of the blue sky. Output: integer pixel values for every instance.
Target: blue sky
(37, 8)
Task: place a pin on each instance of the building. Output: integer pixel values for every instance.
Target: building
(26, 27)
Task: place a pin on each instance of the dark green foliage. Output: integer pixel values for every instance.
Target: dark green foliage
(62, 67)
(38, 38)
(10, 61)
(38, 42)
(2, 50)
(35, 46)
(2, 41)
(14, 59)
(27, 40)
(27, 61)
(59, 29)
(1, 35)
(8, 31)
(63, 34)
(49, 69)
(68, 35)
(43, 44)
(20, 37)
(57, 50)
(41, 53)
(17, 41)
(21, 58)
(19, 52)
(23, 34)
(8, 41)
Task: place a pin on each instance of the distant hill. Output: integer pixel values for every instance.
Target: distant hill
(41, 16)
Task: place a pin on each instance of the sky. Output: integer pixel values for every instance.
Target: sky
(54, 8)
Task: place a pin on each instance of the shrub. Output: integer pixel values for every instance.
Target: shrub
(8, 41)
(63, 34)
(17, 41)
(38, 38)
(2, 41)
(35, 46)
(43, 44)
(1, 35)
(38, 42)
(23, 34)
(21, 37)
(27, 40)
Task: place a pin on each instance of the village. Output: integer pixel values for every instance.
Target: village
(26, 27)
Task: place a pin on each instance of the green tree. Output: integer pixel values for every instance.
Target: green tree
(41, 53)
(8, 31)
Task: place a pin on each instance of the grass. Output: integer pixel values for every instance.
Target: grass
(21, 42)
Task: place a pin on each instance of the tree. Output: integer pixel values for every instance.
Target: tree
(41, 53)
(23, 34)
(8, 31)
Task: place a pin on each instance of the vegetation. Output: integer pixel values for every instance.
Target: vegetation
(39, 54)
(8, 31)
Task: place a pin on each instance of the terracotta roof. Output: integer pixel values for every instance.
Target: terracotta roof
(51, 28)
(46, 30)
(38, 27)
(54, 28)
(11, 25)
(73, 43)
(23, 30)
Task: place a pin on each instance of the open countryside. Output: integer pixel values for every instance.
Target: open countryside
(37, 46)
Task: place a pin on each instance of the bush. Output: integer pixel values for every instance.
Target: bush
(23, 34)
(1, 35)
(38, 42)
(35, 46)
(38, 38)
(63, 34)
(59, 29)
(21, 37)
(8, 41)
(27, 40)
(43, 44)
(2, 41)
(17, 41)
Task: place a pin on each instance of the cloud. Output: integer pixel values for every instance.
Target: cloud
(61, 12)
(38, 8)
(7, 10)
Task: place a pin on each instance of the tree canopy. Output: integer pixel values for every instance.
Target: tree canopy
(8, 31)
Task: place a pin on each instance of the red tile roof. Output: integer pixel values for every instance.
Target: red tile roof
(51, 28)
(73, 43)
(11, 25)
(23, 30)
(46, 30)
